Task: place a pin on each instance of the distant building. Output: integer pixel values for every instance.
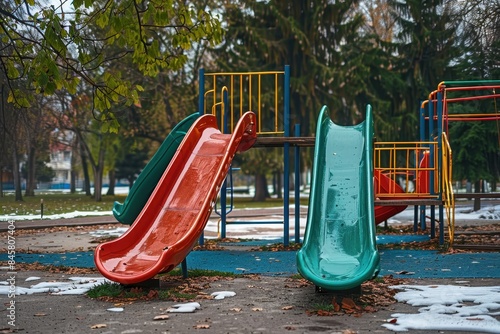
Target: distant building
(60, 158)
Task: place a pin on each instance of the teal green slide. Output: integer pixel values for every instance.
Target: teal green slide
(147, 180)
(339, 251)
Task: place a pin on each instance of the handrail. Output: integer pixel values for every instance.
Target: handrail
(448, 195)
(402, 160)
(245, 92)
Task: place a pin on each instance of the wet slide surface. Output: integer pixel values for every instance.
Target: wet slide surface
(147, 180)
(177, 211)
(339, 250)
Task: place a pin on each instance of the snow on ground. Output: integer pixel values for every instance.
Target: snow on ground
(74, 286)
(67, 215)
(448, 307)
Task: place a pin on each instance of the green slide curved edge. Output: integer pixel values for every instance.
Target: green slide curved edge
(339, 251)
(127, 212)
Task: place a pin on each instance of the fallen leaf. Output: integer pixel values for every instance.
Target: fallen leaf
(6, 330)
(257, 309)
(235, 309)
(152, 294)
(393, 321)
(370, 309)
(202, 326)
(286, 308)
(336, 306)
(349, 304)
(136, 290)
(97, 326)
(349, 331)
(323, 313)
(161, 317)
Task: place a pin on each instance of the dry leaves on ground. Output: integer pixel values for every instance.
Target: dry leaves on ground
(375, 294)
(463, 235)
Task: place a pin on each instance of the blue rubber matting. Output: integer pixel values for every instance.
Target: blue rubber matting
(381, 240)
(399, 263)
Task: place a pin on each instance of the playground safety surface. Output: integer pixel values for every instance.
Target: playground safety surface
(266, 300)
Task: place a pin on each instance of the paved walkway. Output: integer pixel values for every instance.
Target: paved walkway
(268, 303)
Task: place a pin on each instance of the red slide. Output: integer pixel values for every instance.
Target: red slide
(175, 215)
(385, 185)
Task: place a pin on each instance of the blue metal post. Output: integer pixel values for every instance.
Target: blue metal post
(184, 268)
(201, 91)
(297, 186)
(223, 190)
(286, 158)
(440, 161)
(201, 111)
(441, 225)
(423, 137)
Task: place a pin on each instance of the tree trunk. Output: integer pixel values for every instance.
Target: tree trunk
(279, 185)
(85, 168)
(72, 181)
(98, 171)
(97, 183)
(112, 183)
(1, 181)
(17, 175)
(261, 191)
(30, 172)
(477, 200)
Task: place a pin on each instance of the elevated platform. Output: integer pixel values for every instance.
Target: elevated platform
(419, 201)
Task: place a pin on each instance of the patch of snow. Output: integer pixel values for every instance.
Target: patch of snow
(76, 286)
(223, 294)
(32, 278)
(448, 307)
(115, 309)
(184, 308)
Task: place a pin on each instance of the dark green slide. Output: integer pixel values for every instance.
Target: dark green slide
(147, 180)
(339, 250)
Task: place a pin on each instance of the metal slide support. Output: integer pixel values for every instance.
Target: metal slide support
(201, 111)
(297, 186)
(441, 224)
(423, 137)
(223, 189)
(201, 91)
(286, 158)
(439, 113)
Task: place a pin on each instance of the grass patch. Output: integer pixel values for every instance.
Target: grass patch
(296, 276)
(172, 294)
(323, 306)
(57, 203)
(105, 289)
(193, 273)
(112, 290)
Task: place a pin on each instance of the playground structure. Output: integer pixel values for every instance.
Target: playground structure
(390, 171)
(229, 95)
(339, 251)
(435, 115)
(143, 187)
(174, 216)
